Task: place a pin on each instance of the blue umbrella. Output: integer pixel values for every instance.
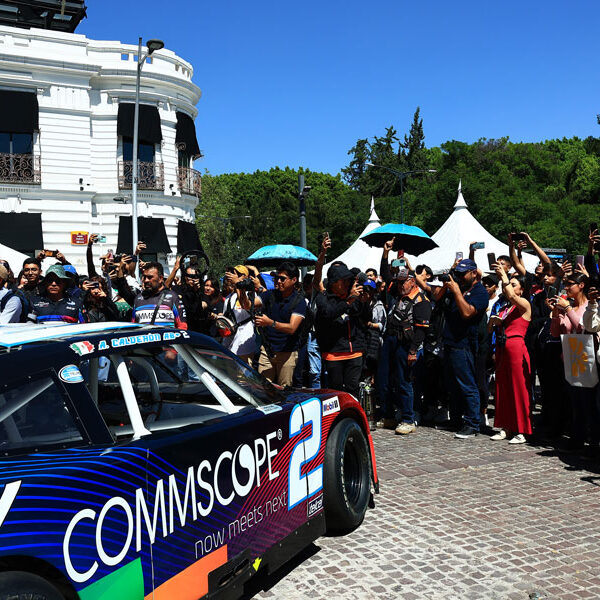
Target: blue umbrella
(272, 255)
(409, 238)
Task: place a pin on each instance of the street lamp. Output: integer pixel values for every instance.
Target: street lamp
(402, 175)
(153, 46)
(302, 193)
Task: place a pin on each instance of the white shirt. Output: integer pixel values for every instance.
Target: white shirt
(243, 342)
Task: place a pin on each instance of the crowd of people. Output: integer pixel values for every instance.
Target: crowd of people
(425, 349)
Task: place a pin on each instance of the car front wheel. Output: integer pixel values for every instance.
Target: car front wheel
(346, 477)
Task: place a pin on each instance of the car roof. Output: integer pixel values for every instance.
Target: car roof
(22, 334)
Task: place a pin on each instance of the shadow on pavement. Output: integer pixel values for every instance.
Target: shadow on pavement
(264, 582)
(575, 461)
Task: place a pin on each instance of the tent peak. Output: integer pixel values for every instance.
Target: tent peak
(460, 200)
(373, 218)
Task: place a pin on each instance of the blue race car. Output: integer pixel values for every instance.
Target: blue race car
(149, 462)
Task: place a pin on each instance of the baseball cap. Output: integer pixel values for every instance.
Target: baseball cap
(370, 283)
(58, 271)
(3, 273)
(242, 270)
(337, 272)
(466, 265)
(491, 278)
(70, 269)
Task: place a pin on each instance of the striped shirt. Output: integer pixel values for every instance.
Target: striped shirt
(66, 310)
(170, 312)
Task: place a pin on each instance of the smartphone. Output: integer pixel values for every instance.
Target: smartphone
(551, 291)
(94, 284)
(517, 237)
(580, 259)
(51, 253)
(478, 246)
(100, 239)
(459, 256)
(491, 260)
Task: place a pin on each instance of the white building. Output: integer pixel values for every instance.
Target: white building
(66, 128)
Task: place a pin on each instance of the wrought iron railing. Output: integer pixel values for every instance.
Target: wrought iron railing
(20, 168)
(151, 175)
(190, 181)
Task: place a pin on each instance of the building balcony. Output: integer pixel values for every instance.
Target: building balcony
(151, 175)
(20, 168)
(190, 181)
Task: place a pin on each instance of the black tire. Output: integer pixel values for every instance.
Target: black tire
(346, 478)
(19, 585)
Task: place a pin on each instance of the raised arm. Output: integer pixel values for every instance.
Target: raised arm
(173, 273)
(384, 267)
(507, 289)
(515, 258)
(90, 256)
(541, 254)
(318, 275)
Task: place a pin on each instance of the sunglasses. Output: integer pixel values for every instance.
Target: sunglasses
(193, 276)
(280, 278)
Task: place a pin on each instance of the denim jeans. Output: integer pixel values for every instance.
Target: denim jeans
(308, 352)
(393, 370)
(459, 367)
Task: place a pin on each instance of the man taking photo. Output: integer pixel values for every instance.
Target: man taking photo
(283, 311)
(464, 301)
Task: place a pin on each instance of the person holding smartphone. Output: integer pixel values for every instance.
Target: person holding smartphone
(513, 369)
(99, 306)
(567, 317)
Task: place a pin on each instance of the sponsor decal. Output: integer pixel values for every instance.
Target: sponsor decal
(315, 505)
(82, 348)
(8, 498)
(256, 563)
(269, 408)
(176, 504)
(70, 374)
(330, 406)
(133, 340)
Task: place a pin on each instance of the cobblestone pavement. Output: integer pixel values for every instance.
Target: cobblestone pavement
(462, 519)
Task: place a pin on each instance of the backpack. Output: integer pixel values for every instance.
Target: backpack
(227, 325)
(25, 306)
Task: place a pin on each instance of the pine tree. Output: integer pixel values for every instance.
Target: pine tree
(414, 144)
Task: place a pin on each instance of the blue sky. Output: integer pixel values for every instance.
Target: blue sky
(297, 83)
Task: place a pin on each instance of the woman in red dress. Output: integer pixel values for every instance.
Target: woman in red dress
(513, 370)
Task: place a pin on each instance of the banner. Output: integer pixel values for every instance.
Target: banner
(579, 358)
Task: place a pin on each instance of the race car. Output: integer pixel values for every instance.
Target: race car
(149, 462)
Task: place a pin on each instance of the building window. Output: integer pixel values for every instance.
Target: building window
(145, 151)
(17, 161)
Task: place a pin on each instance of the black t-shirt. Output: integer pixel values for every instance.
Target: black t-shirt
(67, 310)
(281, 310)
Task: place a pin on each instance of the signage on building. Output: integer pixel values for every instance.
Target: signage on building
(79, 238)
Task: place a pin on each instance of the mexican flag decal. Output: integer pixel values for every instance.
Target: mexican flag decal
(82, 348)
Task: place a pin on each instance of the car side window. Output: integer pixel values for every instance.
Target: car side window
(34, 414)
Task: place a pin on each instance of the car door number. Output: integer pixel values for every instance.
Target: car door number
(304, 486)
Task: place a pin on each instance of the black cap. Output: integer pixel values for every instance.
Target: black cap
(491, 278)
(337, 272)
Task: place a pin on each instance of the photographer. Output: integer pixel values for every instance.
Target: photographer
(337, 325)
(283, 311)
(99, 306)
(239, 337)
(464, 301)
(407, 322)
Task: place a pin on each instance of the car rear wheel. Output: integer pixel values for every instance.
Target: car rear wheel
(19, 585)
(346, 477)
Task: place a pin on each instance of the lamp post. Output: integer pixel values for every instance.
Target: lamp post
(402, 175)
(302, 193)
(152, 46)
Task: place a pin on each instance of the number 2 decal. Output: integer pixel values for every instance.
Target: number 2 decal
(301, 486)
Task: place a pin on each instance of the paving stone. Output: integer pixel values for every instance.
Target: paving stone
(459, 520)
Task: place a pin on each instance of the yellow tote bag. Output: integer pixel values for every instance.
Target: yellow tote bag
(579, 357)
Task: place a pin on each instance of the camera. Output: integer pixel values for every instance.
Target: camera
(245, 284)
(445, 277)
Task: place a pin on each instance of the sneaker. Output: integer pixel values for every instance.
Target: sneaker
(405, 428)
(387, 423)
(501, 435)
(466, 432)
(518, 439)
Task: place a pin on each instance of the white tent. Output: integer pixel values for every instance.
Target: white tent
(456, 234)
(360, 254)
(15, 259)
